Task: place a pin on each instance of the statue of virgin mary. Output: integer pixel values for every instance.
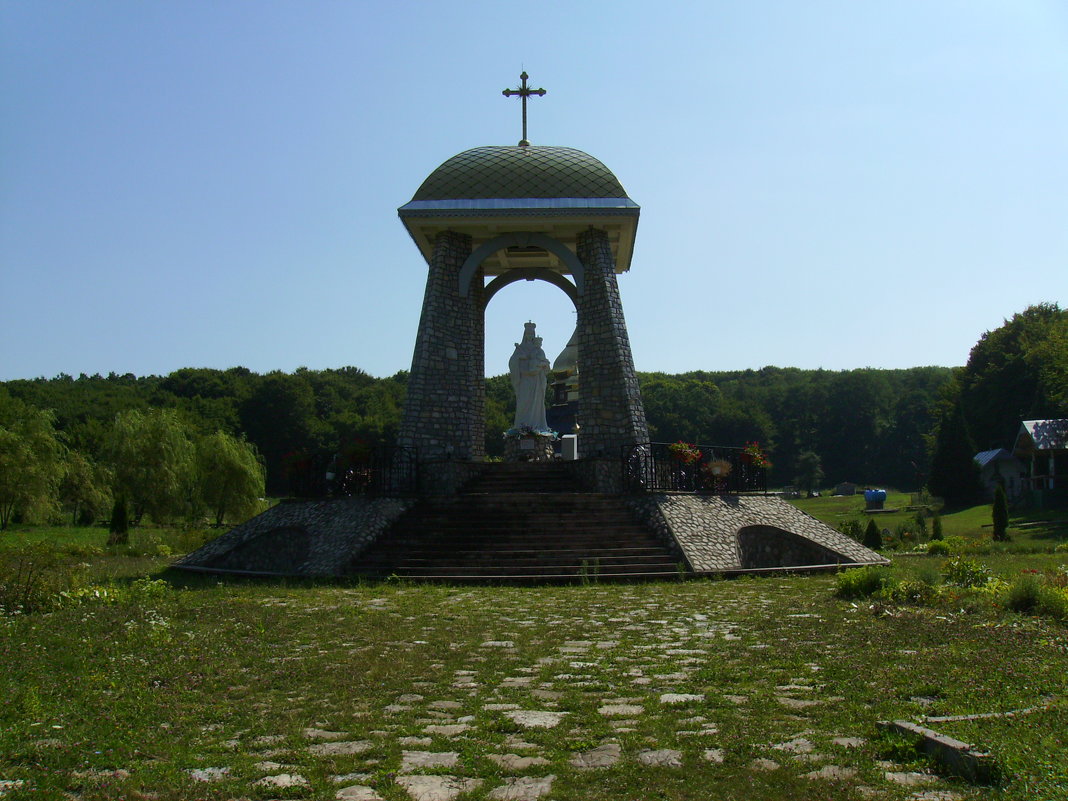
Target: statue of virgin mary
(529, 369)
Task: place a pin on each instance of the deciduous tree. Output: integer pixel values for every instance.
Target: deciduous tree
(84, 488)
(809, 472)
(230, 475)
(31, 462)
(153, 460)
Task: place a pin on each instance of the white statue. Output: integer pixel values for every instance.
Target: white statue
(529, 369)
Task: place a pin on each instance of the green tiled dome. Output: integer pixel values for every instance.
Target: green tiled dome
(520, 172)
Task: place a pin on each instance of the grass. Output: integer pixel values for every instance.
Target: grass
(121, 696)
(1037, 530)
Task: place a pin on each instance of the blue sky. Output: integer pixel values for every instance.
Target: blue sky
(823, 184)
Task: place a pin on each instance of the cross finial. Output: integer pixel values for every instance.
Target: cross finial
(524, 92)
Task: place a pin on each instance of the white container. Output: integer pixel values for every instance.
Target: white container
(569, 446)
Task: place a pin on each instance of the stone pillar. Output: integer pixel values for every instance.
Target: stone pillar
(610, 412)
(444, 415)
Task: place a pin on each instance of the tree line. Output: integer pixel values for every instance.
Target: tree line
(1016, 372)
(85, 442)
(150, 463)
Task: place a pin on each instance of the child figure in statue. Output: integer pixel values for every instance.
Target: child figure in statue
(529, 369)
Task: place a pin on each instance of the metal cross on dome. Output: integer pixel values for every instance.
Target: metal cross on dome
(524, 92)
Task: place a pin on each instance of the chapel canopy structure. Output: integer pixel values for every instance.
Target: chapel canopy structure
(497, 214)
(492, 193)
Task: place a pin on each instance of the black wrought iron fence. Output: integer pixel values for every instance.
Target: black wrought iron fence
(388, 472)
(664, 467)
(395, 471)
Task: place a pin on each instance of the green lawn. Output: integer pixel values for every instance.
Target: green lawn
(125, 693)
(1041, 529)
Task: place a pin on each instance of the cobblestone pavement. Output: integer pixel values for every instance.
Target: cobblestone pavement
(524, 712)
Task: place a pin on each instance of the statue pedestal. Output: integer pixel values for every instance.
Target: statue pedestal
(529, 448)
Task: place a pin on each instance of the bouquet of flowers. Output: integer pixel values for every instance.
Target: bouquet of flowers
(756, 457)
(529, 431)
(684, 452)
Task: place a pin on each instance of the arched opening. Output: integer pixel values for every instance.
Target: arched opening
(771, 546)
(517, 297)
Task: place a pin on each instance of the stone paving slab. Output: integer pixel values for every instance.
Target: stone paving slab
(523, 788)
(603, 756)
(436, 788)
(357, 792)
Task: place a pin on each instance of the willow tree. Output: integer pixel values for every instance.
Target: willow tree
(31, 462)
(83, 490)
(230, 475)
(153, 461)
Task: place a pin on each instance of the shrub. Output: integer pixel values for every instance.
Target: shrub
(966, 573)
(905, 532)
(955, 544)
(1028, 594)
(852, 529)
(936, 527)
(1052, 603)
(859, 582)
(1022, 594)
(145, 590)
(910, 591)
(937, 547)
(872, 538)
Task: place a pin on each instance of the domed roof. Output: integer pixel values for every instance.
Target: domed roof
(533, 171)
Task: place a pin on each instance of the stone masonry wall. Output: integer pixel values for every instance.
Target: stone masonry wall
(301, 538)
(444, 413)
(600, 475)
(610, 405)
(706, 528)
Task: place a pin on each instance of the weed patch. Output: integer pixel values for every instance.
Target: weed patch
(33, 579)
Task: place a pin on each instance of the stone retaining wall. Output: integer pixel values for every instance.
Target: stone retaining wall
(445, 478)
(300, 538)
(707, 527)
(599, 475)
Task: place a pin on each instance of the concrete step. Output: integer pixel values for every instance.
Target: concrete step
(521, 523)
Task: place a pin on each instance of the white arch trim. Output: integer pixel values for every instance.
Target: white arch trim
(530, 274)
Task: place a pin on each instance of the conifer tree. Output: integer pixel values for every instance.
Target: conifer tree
(119, 528)
(936, 527)
(1001, 514)
(954, 473)
(873, 538)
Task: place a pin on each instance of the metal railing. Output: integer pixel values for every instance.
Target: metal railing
(719, 470)
(384, 472)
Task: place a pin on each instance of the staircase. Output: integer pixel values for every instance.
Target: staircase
(520, 523)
